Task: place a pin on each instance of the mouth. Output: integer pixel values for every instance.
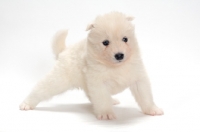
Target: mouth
(118, 61)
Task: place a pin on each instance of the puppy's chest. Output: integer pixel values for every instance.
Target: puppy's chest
(118, 80)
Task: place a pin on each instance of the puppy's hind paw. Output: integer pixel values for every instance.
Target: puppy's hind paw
(24, 106)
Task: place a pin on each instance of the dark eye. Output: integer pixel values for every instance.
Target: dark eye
(106, 42)
(125, 39)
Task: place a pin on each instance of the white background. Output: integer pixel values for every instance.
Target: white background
(168, 32)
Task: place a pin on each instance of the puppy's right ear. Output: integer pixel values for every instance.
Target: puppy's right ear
(90, 26)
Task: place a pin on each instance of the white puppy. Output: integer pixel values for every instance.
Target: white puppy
(105, 63)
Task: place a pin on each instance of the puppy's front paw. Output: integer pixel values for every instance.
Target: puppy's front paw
(106, 116)
(154, 110)
(24, 106)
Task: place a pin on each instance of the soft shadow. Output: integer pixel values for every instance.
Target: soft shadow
(125, 115)
(75, 108)
(128, 115)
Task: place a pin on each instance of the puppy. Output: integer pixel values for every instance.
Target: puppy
(105, 63)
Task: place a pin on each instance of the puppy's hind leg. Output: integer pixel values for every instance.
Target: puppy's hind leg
(54, 83)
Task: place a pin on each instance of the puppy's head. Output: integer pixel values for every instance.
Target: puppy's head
(111, 39)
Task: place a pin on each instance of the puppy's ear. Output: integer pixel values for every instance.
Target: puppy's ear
(90, 26)
(130, 18)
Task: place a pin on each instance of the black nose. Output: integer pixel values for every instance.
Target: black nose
(119, 56)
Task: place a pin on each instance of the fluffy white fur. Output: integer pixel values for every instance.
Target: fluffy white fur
(92, 66)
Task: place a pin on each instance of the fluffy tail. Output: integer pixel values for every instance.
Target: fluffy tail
(59, 42)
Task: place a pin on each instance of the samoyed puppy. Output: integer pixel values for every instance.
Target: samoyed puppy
(105, 63)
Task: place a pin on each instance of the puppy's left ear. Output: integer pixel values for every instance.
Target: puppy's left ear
(130, 18)
(90, 26)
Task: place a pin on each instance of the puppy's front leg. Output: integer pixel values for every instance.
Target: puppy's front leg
(141, 90)
(101, 100)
